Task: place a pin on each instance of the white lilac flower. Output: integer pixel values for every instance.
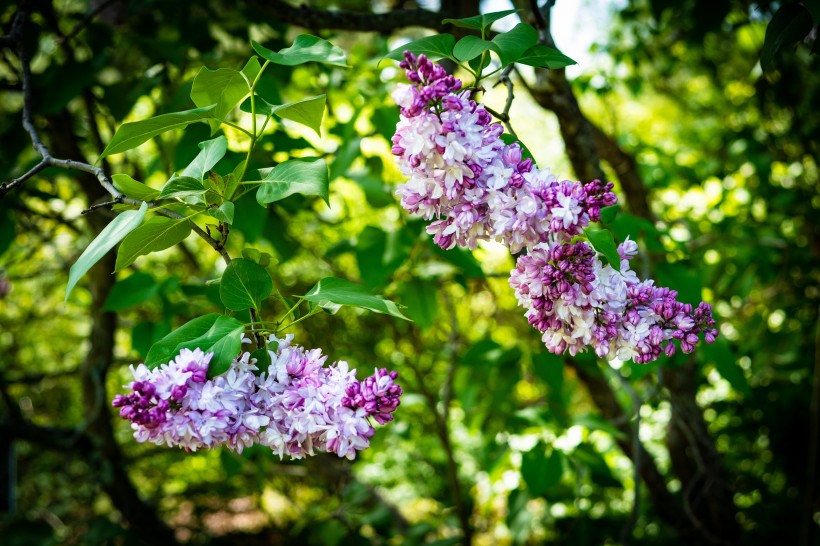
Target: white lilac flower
(296, 406)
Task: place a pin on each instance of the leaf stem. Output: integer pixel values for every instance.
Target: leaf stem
(300, 319)
(254, 135)
(237, 127)
(290, 311)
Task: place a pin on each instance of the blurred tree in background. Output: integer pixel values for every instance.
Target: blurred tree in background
(496, 441)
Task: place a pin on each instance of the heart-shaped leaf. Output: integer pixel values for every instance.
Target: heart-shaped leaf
(543, 56)
(306, 48)
(211, 333)
(511, 45)
(308, 112)
(480, 22)
(435, 47)
(223, 88)
(470, 47)
(244, 285)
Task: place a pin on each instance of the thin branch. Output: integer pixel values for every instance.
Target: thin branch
(80, 26)
(309, 17)
(16, 37)
(504, 78)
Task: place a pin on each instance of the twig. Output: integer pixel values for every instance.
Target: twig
(79, 27)
(15, 37)
(101, 205)
(505, 79)
(310, 17)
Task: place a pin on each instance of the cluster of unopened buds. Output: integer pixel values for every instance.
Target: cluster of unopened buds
(473, 186)
(297, 406)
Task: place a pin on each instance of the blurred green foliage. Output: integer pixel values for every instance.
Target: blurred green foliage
(491, 426)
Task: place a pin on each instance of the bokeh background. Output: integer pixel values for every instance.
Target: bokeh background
(496, 440)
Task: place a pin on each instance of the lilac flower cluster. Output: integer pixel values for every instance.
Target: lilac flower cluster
(578, 302)
(296, 407)
(473, 186)
(463, 175)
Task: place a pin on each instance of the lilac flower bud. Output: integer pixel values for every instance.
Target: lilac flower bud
(179, 392)
(511, 154)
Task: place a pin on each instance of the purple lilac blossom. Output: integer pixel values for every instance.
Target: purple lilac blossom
(473, 187)
(296, 407)
(577, 302)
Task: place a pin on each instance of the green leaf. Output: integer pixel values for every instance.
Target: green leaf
(478, 64)
(330, 293)
(479, 22)
(134, 289)
(182, 186)
(223, 88)
(435, 47)
(470, 47)
(306, 48)
(233, 180)
(211, 333)
(421, 300)
(157, 234)
(604, 243)
(224, 213)
(244, 285)
(130, 135)
(211, 152)
(307, 176)
(511, 45)
(790, 24)
(133, 189)
(608, 214)
(308, 112)
(541, 472)
(251, 69)
(113, 233)
(547, 57)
